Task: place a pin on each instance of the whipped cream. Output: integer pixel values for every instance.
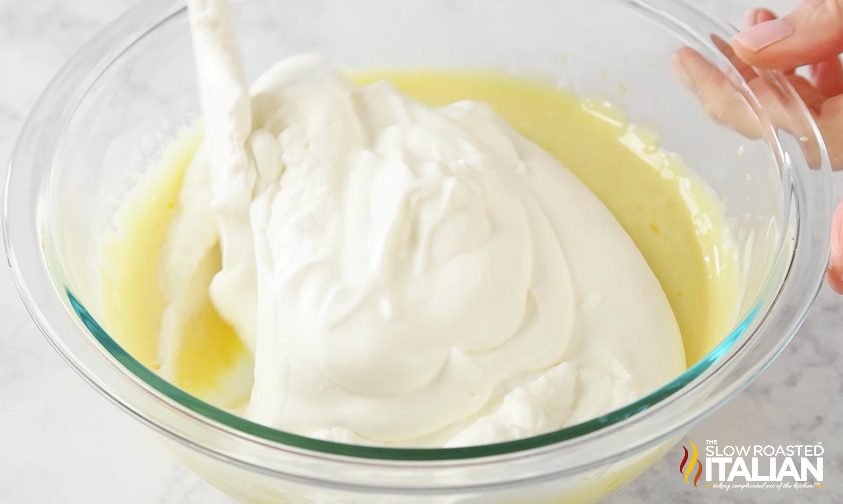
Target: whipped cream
(403, 274)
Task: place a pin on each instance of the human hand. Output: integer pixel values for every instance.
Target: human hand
(812, 36)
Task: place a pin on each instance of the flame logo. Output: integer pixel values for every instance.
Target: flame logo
(686, 467)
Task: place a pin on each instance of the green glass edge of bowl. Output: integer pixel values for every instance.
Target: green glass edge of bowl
(387, 453)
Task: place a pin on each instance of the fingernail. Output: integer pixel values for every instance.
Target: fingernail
(764, 34)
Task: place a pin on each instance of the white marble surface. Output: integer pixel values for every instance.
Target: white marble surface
(60, 442)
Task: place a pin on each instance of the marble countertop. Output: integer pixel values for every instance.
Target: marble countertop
(61, 442)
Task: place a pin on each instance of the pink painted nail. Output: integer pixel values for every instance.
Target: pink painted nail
(764, 34)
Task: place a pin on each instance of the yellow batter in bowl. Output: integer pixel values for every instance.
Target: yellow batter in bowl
(673, 218)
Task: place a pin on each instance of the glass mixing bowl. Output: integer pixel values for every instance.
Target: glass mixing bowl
(125, 96)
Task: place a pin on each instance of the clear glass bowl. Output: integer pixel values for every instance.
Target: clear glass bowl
(124, 97)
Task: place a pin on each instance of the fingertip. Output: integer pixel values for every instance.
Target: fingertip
(684, 52)
(686, 66)
(684, 57)
(835, 280)
(835, 269)
(749, 18)
(763, 15)
(811, 33)
(723, 102)
(762, 35)
(755, 16)
(828, 77)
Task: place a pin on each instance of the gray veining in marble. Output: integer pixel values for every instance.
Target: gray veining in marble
(60, 442)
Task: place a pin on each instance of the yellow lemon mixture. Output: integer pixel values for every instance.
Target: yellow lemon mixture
(671, 215)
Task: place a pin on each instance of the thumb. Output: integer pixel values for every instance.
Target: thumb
(811, 34)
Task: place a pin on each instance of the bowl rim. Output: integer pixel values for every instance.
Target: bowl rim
(801, 278)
